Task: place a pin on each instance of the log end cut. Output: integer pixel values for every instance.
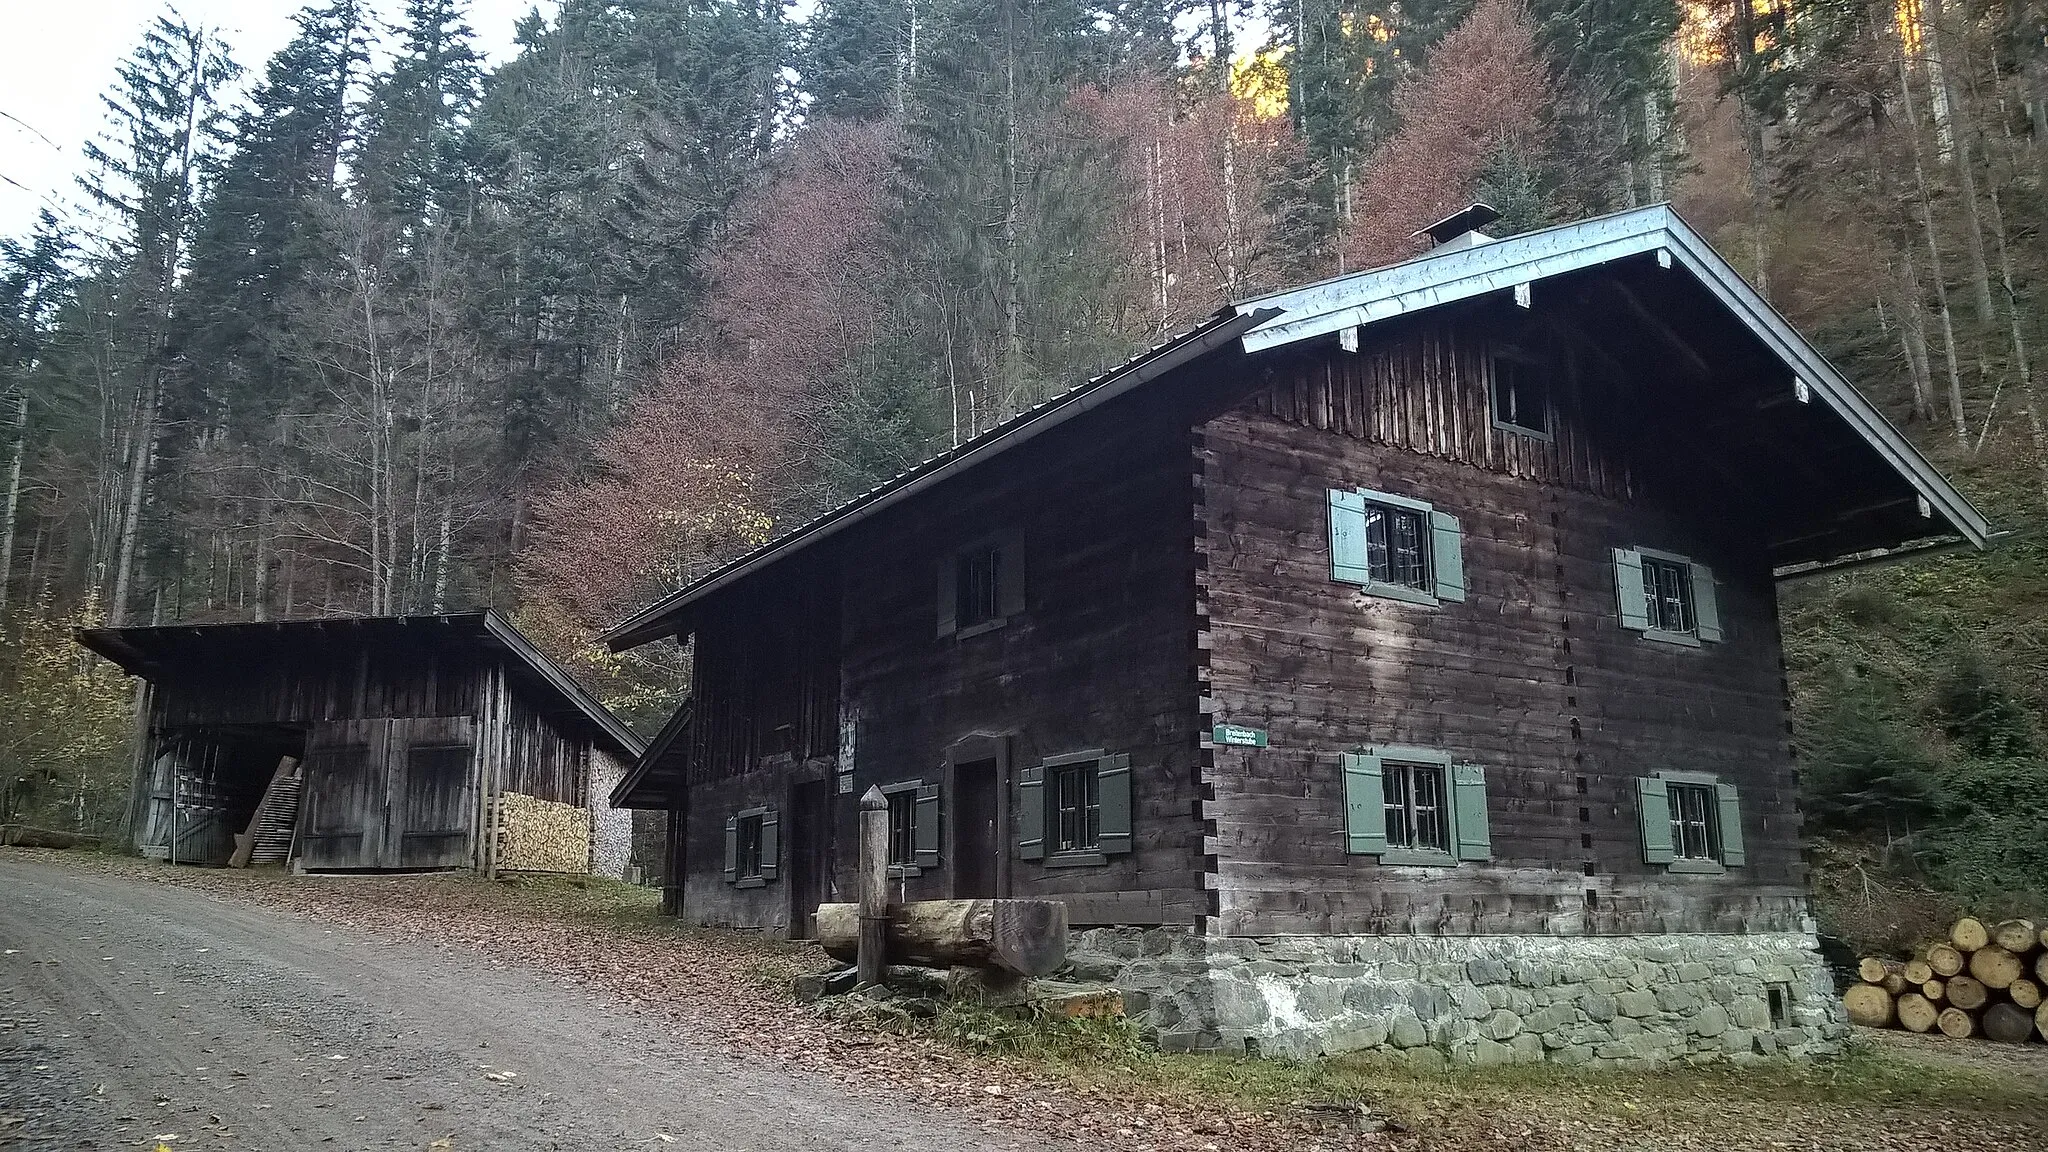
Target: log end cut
(1916, 1012)
(1869, 1005)
(2008, 1023)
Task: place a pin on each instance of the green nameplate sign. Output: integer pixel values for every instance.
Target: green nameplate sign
(1239, 735)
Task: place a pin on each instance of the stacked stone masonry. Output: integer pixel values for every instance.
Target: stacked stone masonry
(1606, 1001)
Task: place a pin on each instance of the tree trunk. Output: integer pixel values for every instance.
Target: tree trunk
(1994, 967)
(142, 458)
(1012, 400)
(1869, 1005)
(2017, 936)
(2008, 1023)
(1969, 934)
(1027, 937)
(1918, 971)
(10, 511)
(2025, 993)
(1956, 1024)
(1944, 959)
(1968, 993)
(1944, 87)
(1934, 269)
(1916, 1013)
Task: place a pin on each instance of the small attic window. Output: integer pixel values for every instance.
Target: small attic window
(1521, 397)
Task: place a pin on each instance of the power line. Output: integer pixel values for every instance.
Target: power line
(32, 129)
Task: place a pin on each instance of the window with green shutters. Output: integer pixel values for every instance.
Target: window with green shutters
(753, 847)
(1396, 547)
(1690, 821)
(1666, 597)
(914, 829)
(1074, 809)
(1414, 806)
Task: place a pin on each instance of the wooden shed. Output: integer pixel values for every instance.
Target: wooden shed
(417, 742)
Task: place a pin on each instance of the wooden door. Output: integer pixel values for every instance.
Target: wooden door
(809, 837)
(346, 792)
(977, 838)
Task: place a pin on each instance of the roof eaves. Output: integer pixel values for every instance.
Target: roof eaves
(650, 623)
(678, 723)
(599, 715)
(1428, 281)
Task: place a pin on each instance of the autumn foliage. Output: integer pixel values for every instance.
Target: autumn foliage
(1481, 96)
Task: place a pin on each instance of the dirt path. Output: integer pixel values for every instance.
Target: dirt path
(133, 1012)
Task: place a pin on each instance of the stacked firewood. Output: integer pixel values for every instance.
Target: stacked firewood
(1981, 981)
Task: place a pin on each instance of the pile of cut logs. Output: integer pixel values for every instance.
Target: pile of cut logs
(1981, 981)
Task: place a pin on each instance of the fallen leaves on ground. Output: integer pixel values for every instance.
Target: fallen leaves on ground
(722, 992)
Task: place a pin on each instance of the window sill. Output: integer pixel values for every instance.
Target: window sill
(751, 882)
(1399, 592)
(978, 629)
(1676, 639)
(1696, 867)
(1076, 860)
(904, 871)
(1525, 432)
(1422, 857)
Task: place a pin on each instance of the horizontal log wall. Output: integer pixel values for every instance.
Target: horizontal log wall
(1532, 676)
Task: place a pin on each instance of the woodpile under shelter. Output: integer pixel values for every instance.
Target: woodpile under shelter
(371, 744)
(1386, 663)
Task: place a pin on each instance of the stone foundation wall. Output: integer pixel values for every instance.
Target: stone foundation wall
(1617, 1001)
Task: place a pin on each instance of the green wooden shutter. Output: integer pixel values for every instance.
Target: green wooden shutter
(732, 849)
(1031, 814)
(1653, 809)
(1365, 813)
(1468, 813)
(949, 593)
(1628, 589)
(771, 843)
(1113, 790)
(1347, 538)
(1010, 575)
(1447, 555)
(924, 826)
(1706, 610)
(1730, 826)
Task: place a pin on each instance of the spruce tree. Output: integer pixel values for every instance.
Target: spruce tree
(858, 58)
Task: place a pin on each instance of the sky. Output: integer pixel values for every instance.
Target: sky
(58, 56)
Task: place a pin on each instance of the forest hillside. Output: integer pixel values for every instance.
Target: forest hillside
(369, 327)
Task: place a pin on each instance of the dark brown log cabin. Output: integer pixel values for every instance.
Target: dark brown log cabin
(1433, 600)
(417, 738)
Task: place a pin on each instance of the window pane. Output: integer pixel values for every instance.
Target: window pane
(1378, 566)
(1394, 787)
(1408, 550)
(1077, 808)
(1429, 809)
(1692, 822)
(976, 597)
(1667, 591)
(903, 827)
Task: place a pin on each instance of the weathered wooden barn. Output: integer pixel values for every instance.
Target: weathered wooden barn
(417, 742)
(1388, 662)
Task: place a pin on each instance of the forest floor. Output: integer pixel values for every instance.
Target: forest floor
(146, 1004)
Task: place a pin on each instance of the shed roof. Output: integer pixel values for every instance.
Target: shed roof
(1654, 237)
(154, 651)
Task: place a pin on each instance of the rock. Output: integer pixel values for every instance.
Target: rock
(1528, 1048)
(1598, 1006)
(1470, 1002)
(1492, 1054)
(1502, 1025)
(1711, 1021)
(1408, 1032)
(1636, 1003)
(1426, 1059)
(1486, 970)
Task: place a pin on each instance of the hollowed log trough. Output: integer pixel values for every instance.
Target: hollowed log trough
(1021, 937)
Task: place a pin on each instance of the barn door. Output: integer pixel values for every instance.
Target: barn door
(344, 821)
(435, 794)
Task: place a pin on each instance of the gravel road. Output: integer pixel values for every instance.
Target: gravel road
(133, 1014)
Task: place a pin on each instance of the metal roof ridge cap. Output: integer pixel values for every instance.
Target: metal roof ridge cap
(1848, 401)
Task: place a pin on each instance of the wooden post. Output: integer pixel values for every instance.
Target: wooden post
(872, 959)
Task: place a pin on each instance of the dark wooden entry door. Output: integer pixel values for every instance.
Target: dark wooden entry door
(809, 837)
(977, 840)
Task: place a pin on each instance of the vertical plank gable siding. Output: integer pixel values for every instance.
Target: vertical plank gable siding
(1501, 679)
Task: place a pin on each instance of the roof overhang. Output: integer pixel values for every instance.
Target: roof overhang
(656, 779)
(1514, 264)
(660, 619)
(155, 651)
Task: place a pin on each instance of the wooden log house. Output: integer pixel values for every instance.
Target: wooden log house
(1427, 608)
(421, 742)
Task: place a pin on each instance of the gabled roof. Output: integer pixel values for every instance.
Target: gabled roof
(652, 780)
(1436, 279)
(155, 651)
(1361, 299)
